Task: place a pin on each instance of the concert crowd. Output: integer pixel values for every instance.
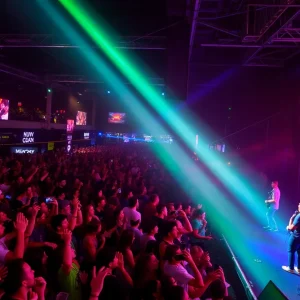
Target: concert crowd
(107, 222)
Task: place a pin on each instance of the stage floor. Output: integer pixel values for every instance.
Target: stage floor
(267, 253)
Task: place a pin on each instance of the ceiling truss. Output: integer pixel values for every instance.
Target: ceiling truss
(52, 41)
(269, 37)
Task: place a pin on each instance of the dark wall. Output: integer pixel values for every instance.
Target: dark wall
(237, 108)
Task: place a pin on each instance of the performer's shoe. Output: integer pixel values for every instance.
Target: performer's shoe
(297, 270)
(287, 269)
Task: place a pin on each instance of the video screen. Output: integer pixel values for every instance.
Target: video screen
(81, 118)
(70, 126)
(4, 109)
(116, 118)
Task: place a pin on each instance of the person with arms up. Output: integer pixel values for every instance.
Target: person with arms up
(272, 207)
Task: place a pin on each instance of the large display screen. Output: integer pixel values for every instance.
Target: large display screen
(116, 118)
(81, 118)
(70, 126)
(4, 109)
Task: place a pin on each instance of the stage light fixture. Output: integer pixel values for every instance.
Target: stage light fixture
(49, 90)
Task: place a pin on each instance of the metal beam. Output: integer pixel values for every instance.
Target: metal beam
(276, 5)
(249, 46)
(286, 40)
(194, 26)
(20, 73)
(76, 47)
(219, 29)
(69, 78)
(51, 41)
(269, 40)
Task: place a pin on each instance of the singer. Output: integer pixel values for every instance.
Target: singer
(272, 206)
(294, 243)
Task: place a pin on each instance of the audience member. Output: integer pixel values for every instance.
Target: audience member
(130, 205)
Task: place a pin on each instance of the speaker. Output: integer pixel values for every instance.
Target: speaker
(271, 291)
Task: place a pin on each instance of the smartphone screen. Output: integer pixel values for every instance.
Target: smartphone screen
(49, 200)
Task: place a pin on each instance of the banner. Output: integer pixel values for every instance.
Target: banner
(24, 150)
(50, 146)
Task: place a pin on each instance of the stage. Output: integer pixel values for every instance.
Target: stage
(267, 252)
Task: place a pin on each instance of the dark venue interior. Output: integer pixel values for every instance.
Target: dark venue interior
(149, 150)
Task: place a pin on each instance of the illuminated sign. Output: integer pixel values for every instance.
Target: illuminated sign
(69, 143)
(86, 135)
(21, 150)
(28, 137)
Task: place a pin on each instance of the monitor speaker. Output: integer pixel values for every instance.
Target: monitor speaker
(271, 291)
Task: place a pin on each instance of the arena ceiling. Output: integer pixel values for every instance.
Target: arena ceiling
(223, 34)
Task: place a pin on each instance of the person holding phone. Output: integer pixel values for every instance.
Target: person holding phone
(175, 258)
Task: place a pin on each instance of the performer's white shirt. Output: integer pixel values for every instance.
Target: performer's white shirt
(276, 197)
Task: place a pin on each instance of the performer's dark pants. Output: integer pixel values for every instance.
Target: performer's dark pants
(270, 217)
(294, 246)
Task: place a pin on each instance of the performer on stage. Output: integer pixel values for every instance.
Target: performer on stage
(294, 243)
(272, 206)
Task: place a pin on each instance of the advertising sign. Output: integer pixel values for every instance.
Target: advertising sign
(24, 150)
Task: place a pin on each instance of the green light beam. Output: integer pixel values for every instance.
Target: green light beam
(181, 166)
(237, 185)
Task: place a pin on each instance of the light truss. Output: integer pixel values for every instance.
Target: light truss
(193, 27)
(52, 41)
(287, 35)
(20, 73)
(281, 20)
(65, 78)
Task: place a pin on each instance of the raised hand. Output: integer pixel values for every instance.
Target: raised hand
(21, 223)
(187, 256)
(35, 210)
(120, 258)
(66, 236)
(181, 213)
(214, 275)
(98, 280)
(40, 286)
(83, 277)
(54, 202)
(33, 295)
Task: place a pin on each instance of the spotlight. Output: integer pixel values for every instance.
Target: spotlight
(108, 92)
(229, 163)
(49, 90)
(163, 93)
